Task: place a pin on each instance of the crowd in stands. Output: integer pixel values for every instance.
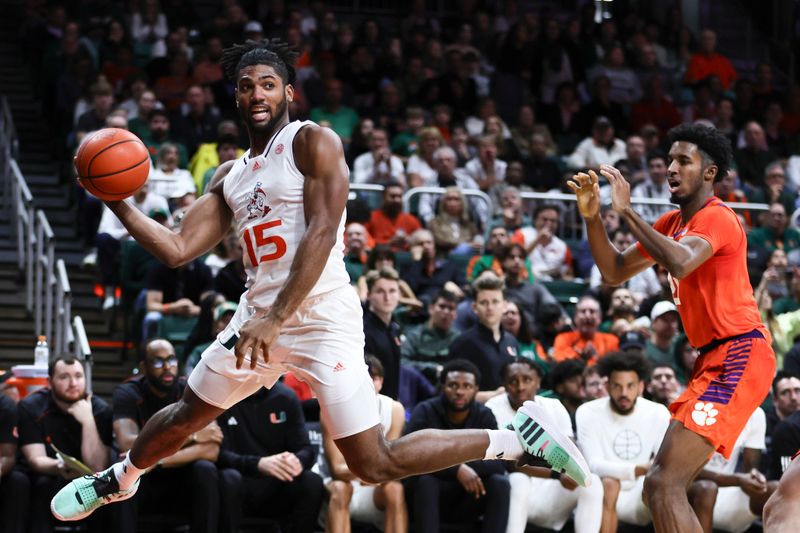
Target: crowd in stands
(475, 297)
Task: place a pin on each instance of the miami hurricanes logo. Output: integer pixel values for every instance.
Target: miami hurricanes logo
(257, 203)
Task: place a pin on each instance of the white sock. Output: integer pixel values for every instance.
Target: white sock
(503, 444)
(127, 473)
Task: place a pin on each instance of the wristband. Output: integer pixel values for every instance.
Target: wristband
(555, 475)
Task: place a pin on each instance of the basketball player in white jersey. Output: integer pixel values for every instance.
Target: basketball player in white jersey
(287, 198)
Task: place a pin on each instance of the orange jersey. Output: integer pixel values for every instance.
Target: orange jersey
(716, 300)
(570, 345)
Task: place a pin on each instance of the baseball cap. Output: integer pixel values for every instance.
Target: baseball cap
(158, 212)
(224, 307)
(253, 26)
(632, 340)
(661, 308)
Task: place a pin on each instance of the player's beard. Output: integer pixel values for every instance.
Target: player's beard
(617, 409)
(451, 407)
(274, 120)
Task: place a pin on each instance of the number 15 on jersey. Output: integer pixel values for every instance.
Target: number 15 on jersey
(262, 247)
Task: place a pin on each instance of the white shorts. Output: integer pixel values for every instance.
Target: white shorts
(322, 343)
(630, 506)
(362, 505)
(732, 510)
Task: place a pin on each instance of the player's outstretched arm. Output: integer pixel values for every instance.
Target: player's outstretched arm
(680, 258)
(319, 156)
(205, 223)
(616, 266)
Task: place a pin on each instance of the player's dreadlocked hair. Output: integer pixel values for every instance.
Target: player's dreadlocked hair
(715, 147)
(272, 52)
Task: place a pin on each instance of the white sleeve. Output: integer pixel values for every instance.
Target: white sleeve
(757, 430)
(361, 170)
(589, 428)
(398, 171)
(579, 158)
(110, 224)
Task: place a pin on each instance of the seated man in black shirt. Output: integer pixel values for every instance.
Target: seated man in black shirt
(187, 480)
(175, 291)
(79, 425)
(266, 441)
(464, 492)
(14, 486)
(427, 346)
(381, 332)
(486, 344)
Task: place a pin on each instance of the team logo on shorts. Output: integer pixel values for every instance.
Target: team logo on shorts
(704, 414)
(257, 203)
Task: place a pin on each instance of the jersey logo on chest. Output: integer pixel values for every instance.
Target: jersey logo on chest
(257, 203)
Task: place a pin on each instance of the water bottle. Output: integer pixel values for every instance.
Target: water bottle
(41, 355)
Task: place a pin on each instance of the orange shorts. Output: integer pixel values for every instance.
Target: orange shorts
(727, 385)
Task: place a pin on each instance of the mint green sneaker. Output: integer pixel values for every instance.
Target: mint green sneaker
(540, 439)
(83, 495)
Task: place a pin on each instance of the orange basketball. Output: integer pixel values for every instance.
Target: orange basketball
(112, 163)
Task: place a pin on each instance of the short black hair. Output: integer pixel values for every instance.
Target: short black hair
(447, 296)
(566, 370)
(657, 154)
(545, 207)
(713, 144)
(374, 366)
(780, 376)
(157, 113)
(530, 363)
(631, 361)
(460, 365)
(66, 358)
(273, 52)
(505, 251)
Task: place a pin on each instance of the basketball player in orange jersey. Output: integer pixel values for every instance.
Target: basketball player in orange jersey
(702, 246)
(287, 198)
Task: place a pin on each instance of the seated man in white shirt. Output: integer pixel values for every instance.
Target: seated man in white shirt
(550, 257)
(384, 505)
(601, 148)
(538, 495)
(486, 169)
(620, 435)
(448, 175)
(378, 165)
(742, 494)
(654, 187)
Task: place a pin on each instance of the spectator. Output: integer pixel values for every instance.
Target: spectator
(586, 342)
(602, 105)
(359, 141)
(726, 190)
(594, 384)
(382, 333)
(231, 279)
(111, 233)
(774, 189)
(176, 292)
(785, 402)
(427, 346)
(453, 229)
(15, 485)
(167, 179)
(515, 323)
(685, 357)
(550, 256)
(405, 143)
(522, 134)
(95, 118)
(64, 416)
(195, 122)
(538, 495)
(421, 165)
(654, 187)
(624, 84)
(498, 238)
(461, 145)
(382, 505)
(566, 378)
(220, 315)
(583, 256)
(563, 118)
(663, 386)
(341, 118)
(741, 491)
(382, 256)
(622, 306)
(707, 62)
(601, 148)
(139, 122)
(776, 232)
(486, 169)
(464, 492)
(655, 108)
(266, 440)
(158, 134)
(149, 25)
(211, 155)
(531, 294)
(188, 478)
(430, 273)
(390, 224)
(786, 442)
(378, 165)
(486, 345)
(447, 175)
(643, 285)
(752, 159)
(661, 344)
(356, 250)
(619, 435)
(171, 86)
(510, 212)
(777, 140)
(542, 171)
(635, 160)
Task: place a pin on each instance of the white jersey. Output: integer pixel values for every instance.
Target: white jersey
(265, 193)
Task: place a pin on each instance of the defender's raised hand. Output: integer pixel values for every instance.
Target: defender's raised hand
(587, 188)
(620, 188)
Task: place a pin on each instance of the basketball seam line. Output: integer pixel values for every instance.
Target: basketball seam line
(89, 166)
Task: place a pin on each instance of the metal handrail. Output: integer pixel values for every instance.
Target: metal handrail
(82, 350)
(63, 307)
(22, 203)
(45, 279)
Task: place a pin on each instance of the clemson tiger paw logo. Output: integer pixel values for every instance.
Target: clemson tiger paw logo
(704, 414)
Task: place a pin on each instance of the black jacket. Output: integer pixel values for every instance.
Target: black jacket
(477, 344)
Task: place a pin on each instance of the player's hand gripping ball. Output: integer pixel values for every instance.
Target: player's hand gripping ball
(112, 164)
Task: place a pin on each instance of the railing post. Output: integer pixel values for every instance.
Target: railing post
(82, 350)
